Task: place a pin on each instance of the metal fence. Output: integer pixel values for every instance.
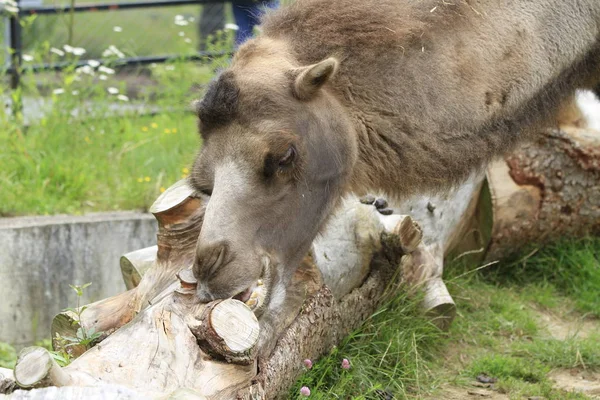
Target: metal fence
(131, 18)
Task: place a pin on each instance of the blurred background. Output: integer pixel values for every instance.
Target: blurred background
(109, 81)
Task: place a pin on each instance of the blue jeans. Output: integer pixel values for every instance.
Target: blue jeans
(247, 15)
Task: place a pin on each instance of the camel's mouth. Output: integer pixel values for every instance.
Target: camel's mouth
(255, 296)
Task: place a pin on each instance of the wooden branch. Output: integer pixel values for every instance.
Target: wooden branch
(36, 367)
(135, 264)
(103, 316)
(228, 330)
(179, 215)
(422, 270)
(409, 234)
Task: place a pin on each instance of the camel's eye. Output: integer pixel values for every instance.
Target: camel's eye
(288, 158)
(275, 163)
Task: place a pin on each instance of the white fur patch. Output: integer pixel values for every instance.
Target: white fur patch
(277, 296)
(589, 105)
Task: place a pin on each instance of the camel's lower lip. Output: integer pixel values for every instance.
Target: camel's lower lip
(244, 296)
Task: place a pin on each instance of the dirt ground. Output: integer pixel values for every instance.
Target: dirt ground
(561, 327)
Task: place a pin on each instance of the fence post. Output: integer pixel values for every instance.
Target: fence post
(16, 46)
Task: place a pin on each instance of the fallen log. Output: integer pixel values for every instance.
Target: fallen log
(185, 345)
(544, 191)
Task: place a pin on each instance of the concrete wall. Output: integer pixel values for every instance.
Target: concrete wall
(41, 256)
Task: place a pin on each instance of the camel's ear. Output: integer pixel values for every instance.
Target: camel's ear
(310, 79)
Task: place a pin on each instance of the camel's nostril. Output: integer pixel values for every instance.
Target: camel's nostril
(210, 258)
(244, 296)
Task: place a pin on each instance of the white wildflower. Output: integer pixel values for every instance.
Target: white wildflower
(187, 40)
(112, 90)
(56, 51)
(75, 92)
(122, 97)
(27, 58)
(68, 49)
(170, 68)
(86, 69)
(191, 19)
(182, 34)
(58, 91)
(102, 77)
(153, 65)
(112, 51)
(78, 51)
(9, 6)
(232, 27)
(117, 29)
(93, 63)
(106, 70)
(180, 20)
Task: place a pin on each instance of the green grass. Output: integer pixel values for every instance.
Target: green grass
(61, 166)
(92, 150)
(569, 353)
(503, 367)
(388, 352)
(497, 332)
(570, 267)
(81, 157)
(8, 355)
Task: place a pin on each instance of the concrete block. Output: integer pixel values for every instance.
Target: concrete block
(41, 256)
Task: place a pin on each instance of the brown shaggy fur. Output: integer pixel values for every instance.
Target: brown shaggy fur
(439, 88)
(423, 92)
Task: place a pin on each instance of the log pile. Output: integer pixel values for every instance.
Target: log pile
(159, 342)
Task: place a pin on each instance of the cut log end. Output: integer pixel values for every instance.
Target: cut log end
(172, 197)
(438, 304)
(66, 324)
(36, 367)
(135, 264)
(187, 279)
(229, 330)
(409, 234)
(236, 325)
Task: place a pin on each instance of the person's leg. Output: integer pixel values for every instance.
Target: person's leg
(212, 18)
(241, 13)
(247, 16)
